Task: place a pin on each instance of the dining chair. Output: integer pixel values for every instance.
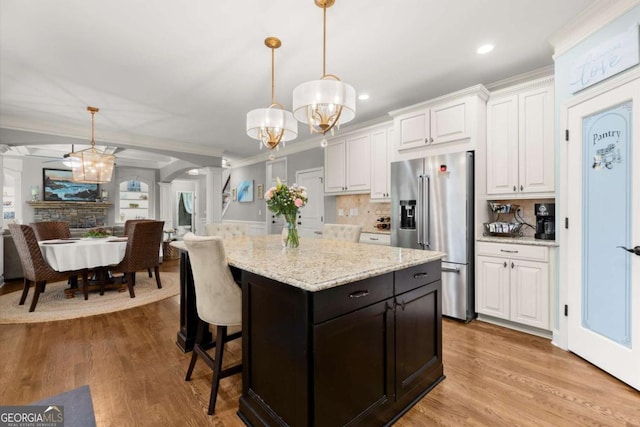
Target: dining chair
(128, 227)
(142, 253)
(36, 270)
(346, 232)
(49, 230)
(227, 230)
(218, 302)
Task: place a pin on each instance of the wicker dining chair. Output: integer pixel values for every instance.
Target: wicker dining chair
(142, 253)
(49, 230)
(128, 227)
(36, 270)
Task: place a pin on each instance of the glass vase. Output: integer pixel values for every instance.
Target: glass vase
(290, 238)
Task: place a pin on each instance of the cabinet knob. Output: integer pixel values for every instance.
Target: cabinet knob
(426, 140)
(512, 265)
(430, 140)
(515, 188)
(521, 188)
(505, 264)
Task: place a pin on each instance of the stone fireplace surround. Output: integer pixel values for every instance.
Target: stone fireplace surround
(77, 214)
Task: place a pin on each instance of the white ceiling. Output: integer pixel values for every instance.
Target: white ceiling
(181, 76)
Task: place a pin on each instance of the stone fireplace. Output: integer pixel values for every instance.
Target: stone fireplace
(77, 214)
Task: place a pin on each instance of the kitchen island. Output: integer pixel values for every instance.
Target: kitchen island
(334, 333)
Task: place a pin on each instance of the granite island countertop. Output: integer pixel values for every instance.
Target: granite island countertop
(318, 264)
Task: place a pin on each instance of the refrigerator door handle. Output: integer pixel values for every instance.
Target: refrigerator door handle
(451, 270)
(418, 214)
(426, 209)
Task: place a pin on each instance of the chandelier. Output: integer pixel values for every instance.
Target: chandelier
(324, 103)
(90, 165)
(274, 124)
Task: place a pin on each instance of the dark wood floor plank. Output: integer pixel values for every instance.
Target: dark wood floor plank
(495, 376)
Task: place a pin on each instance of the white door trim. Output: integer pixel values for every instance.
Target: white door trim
(560, 332)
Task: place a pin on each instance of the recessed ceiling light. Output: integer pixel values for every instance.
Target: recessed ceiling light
(485, 49)
(363, 97)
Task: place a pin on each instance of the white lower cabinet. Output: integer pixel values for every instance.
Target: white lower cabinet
(513, 283)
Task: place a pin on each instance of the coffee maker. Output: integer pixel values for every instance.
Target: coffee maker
(545, 221)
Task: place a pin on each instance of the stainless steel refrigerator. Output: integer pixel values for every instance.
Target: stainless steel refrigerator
(432, 206)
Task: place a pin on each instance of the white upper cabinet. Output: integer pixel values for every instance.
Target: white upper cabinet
(446, 119)
(348, 165)
(520, 140)
(334, 166)
(380, 165)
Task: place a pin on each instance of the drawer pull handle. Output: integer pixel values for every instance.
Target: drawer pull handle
(509, 252)
(373, 238)
(419, 275)
(358, 294)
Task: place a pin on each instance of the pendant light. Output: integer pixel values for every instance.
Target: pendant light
(324, 103)
(90, 165)
(272, 125)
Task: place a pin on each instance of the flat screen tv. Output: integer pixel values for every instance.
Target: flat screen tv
(59, 186)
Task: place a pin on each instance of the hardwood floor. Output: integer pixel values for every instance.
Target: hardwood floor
(495, 376)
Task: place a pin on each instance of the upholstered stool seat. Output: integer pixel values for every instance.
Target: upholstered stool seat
(346, 232)
(219, 303)
(227, 230)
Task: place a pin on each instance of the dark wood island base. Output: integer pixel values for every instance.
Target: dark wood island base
(360, 353)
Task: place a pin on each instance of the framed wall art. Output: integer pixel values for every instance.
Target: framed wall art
(58, 186)
(245, 191)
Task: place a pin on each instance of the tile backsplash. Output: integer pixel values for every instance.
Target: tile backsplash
(528, 213)
(358, 209)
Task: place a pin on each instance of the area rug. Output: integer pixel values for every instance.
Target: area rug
(53, 305)
(77, 405)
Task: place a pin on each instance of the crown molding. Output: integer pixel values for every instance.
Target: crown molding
(531, 84)
(477, 90)
(540, 73)
(139, 142)
(590, 20)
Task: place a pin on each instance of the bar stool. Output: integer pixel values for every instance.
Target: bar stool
(219, 303)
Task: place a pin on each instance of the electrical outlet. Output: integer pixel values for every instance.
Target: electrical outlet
(340, 212)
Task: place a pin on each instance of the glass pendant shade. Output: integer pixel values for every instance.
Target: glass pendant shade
(90, 165)
(271, 126)
(322, 104)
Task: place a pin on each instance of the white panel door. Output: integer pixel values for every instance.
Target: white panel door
(334, 167)
(358, 168)
(530, 293)
(414, 129)
(603, 204)
(449, 122)
(536, 141)
(310, 217)
(493, 286)
(380, 166)
(502, 145)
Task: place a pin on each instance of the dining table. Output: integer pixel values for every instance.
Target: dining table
(86, 253)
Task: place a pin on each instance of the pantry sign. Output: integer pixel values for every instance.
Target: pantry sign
(609, 58)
